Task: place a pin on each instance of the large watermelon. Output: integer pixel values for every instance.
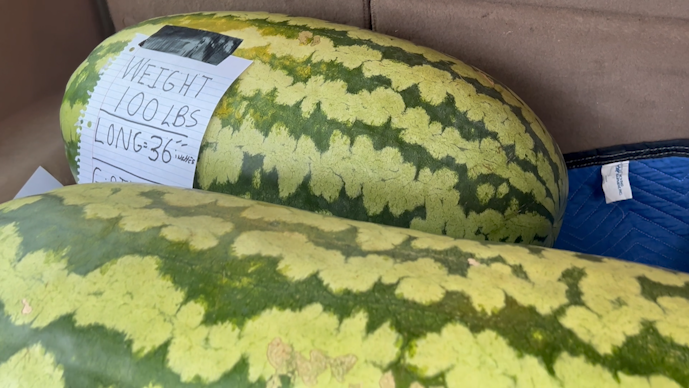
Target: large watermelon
(349, 122)
(124, 285)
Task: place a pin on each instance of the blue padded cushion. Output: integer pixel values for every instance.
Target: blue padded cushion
(651, 228)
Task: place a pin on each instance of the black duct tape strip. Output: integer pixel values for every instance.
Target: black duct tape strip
(650, 150)
(205, 46)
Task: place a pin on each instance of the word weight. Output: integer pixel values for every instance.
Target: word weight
(151, 110)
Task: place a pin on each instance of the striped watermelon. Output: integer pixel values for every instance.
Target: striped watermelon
(348, 122)
(127, 285)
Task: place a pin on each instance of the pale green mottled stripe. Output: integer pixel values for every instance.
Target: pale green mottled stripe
(291, 20)
(150, 316)
(615, 307)
(484, 157)
(324, 51)
(488, 360)
(17, 203)
(31, 367)
(464, 70)
(351, 166)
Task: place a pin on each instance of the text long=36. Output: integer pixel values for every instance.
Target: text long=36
(159, 147)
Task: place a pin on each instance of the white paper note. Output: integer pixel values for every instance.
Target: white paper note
(616, 182)
(40, 182)
(148, 114)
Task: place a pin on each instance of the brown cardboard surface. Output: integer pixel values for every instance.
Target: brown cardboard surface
(353, 12)
(41, 44)
(32, 138)
(660, 8)
(596, 79)
(598, 73)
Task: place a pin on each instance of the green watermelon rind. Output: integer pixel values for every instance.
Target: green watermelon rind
(492, 202)
(107, 279)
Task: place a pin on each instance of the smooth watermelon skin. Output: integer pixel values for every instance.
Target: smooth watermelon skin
(349, 122)
(125, 285)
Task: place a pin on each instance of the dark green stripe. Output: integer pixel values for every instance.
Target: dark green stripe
(406, 375)
(77, 92)
(518, 272)
(72, 151)
(330, 71)
(447, 114)
(584, 256)
(454, 259)
(652, 290)
(539, 146)
(571, 277)
(470, 201)
(303, 197)
(650, 353)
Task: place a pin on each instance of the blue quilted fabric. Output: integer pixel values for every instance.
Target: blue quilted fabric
(651, 228)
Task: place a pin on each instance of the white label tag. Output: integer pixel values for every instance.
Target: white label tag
(148, 114)
(616, 182)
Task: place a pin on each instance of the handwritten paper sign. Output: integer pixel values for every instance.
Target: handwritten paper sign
(150, 109)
